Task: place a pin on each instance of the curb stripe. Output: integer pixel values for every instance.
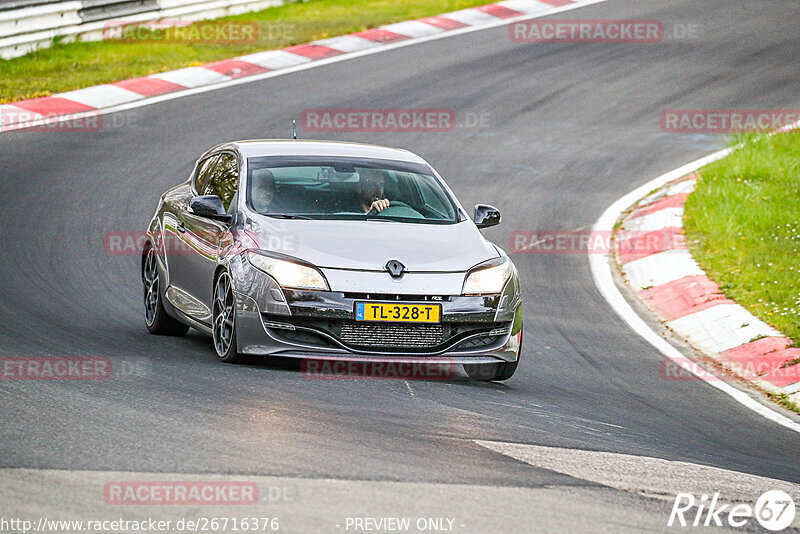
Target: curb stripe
(444, 23)
(684, 296)
(381, 36)
(312, 51)
(191, 76)
(149, 86)
(499, 11)
(10, 114)
(657, 220)
(693, 305)
(101, 96)
(661, 268)
(235, 68)
(631, 246)
(347, 43)
(684, 185)
(471, 17)
(53, 105)
(672, 201)
(413, 28)
(766, 354)
(274, 59)
(525, 6)
(602, 266)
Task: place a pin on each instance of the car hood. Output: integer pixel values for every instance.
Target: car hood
(369, 245)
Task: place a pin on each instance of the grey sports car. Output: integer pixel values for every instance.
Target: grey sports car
(326, 250)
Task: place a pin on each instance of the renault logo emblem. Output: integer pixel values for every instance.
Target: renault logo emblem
(395, 268)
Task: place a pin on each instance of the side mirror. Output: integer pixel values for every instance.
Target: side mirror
(209, 206)
(486, 216)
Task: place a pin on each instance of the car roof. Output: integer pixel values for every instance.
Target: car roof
(282, 147)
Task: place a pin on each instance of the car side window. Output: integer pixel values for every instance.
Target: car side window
(224, 180)
(204, 172)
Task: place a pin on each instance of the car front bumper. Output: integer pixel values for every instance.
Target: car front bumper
(321, 325)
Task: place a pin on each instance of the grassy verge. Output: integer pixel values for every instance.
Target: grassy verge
(784, 400)
(742, 226)
(67, 66)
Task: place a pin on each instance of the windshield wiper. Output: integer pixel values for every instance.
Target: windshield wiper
(287, 216)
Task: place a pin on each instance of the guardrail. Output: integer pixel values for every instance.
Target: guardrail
(6, 5)
(94, 10)
(28, 25)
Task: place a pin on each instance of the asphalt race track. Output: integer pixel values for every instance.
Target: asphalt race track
(569, 128)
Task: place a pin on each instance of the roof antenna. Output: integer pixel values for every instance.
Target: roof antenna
(294, 129)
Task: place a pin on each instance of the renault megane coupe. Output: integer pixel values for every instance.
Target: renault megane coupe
(328, 250)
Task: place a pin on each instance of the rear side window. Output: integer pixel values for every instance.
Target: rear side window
(204, 173)
(224, 180)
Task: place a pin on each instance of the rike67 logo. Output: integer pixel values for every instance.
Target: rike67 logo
(774, 510)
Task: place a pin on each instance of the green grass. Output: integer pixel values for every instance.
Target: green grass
(784, 400)
(742, 226)
(789, 363)
(67, 66)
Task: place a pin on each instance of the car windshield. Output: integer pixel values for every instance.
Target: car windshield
(345, 188)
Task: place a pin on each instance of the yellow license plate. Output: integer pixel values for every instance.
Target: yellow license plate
(404, 313)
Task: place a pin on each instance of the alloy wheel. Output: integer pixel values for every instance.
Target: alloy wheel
(151, 287)
(223, 315)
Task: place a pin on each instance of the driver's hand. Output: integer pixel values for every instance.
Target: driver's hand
(380, 205)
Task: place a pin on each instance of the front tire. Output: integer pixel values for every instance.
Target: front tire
(155, 316)
(223, 319)
(491, 371)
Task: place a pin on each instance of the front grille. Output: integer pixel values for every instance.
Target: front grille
(392, 335)
(306, 338)
(396, 297)
(477, 342)
(386, 337)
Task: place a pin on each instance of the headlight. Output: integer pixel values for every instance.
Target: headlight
(488, 279)
(289, 274)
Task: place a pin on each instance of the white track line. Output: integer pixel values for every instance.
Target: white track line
(289, 70)
(601, 266)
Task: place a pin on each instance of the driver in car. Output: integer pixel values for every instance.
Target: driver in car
(369, 191)
(263, 190)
